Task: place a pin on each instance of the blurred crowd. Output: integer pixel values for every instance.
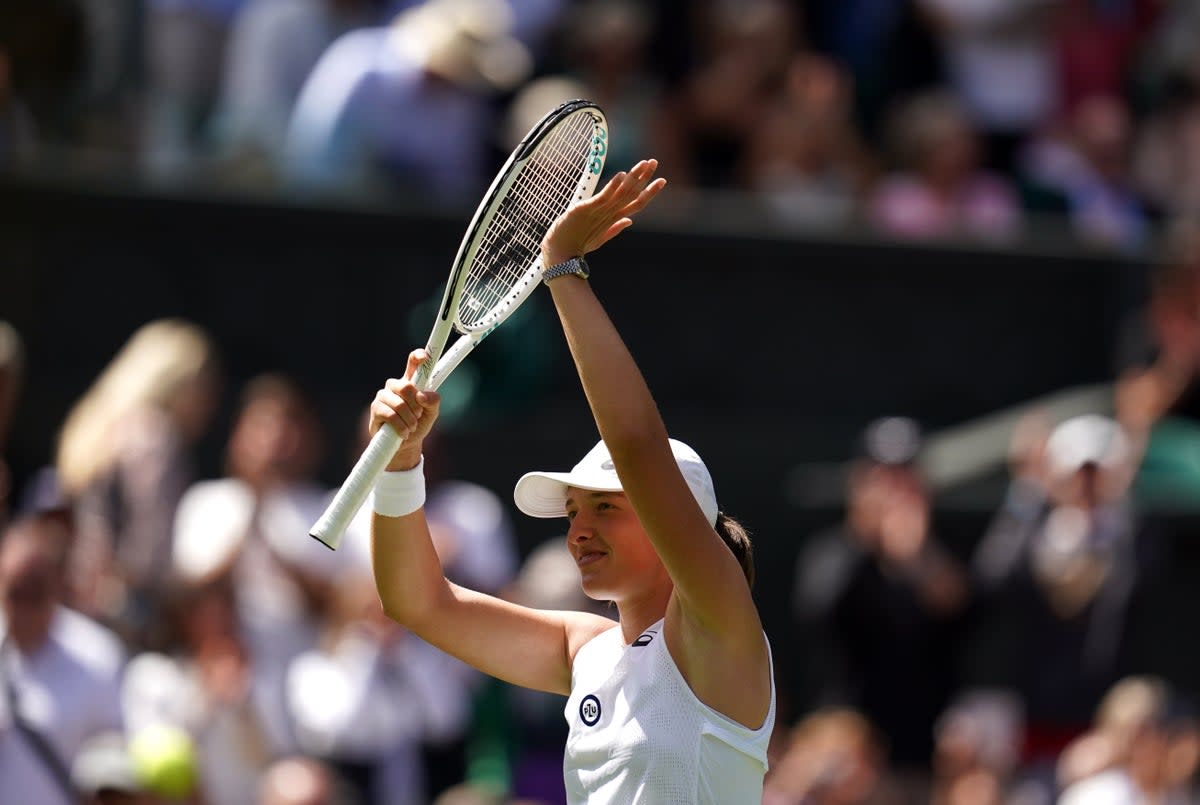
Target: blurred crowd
(171, 638)
(167, 638)
(923, 118)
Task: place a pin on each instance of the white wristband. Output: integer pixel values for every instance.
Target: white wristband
(400, 493)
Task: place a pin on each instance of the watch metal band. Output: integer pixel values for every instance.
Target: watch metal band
(576, 266)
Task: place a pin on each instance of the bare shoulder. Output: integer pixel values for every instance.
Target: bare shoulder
(582, 627)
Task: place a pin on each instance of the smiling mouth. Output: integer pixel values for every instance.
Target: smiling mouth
(589, 558)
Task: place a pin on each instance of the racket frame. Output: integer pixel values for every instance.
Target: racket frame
(440, 362)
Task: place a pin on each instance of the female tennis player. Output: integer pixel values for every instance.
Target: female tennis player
(676, 702)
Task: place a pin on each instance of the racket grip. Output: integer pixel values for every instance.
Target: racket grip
(353, 492)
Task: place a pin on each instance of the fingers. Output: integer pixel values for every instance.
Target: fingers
(644, 197)
(627, 186)
(409, 410)
(589, 224)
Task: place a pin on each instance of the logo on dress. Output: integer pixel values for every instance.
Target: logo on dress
(643, 639)
(608, 465)
(589, 710)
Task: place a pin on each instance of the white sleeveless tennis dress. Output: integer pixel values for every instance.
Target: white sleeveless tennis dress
(639, 736)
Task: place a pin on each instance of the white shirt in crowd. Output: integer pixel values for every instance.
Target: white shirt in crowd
(67, 690)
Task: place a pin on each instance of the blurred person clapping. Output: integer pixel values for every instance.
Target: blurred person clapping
(376, 702)
(1058, 571)
(1158, 398)
(250, 527)
(885, 595)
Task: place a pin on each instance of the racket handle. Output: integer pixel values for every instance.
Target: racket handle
(353, 492)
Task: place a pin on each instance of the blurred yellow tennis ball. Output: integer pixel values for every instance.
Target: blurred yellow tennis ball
(164, 759)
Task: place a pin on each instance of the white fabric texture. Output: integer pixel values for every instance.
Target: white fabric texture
(639, 736)
(401, 492)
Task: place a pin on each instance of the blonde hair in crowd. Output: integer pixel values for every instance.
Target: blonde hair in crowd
(157, 361)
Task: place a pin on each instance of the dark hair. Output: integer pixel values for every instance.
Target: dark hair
(735, 535)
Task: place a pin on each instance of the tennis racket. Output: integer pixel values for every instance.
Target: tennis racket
(497, 267)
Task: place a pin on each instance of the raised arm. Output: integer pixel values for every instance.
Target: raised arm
(712, 603)
(527, 647)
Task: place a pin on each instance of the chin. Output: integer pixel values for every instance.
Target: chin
(597, 590)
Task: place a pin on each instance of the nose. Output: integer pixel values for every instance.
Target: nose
(580, 529)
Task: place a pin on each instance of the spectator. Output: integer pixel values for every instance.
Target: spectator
(885, 46)
(59, 671)
(1089, 167)
(1142, 749)
(1097, 44)
(12, 371)
(373, 696)
(1158, 399)
(744, 53)
(1000, 59)
(807, 160)
(473, 536)
(941, 189)
(108, 104)
(885, 596)
(608, 50)
(1166, 160)
(273, 47)
(977, 750)
(833, 757)
(470, 525)
(407, 103)
(1057, 572)
(250, 527)
(185, 42)
(205, 682)
(124, 459)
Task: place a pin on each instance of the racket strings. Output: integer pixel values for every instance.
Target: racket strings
(544, 188)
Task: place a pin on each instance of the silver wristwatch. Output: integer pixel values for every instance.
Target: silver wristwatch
(576, 266)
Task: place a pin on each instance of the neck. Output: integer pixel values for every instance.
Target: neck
(638, 614)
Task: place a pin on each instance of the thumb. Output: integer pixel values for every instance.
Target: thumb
(415, 359)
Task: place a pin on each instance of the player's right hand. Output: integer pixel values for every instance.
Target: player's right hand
(410, 411)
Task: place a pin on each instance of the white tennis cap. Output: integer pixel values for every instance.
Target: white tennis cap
(544, 494)
(1083, 440)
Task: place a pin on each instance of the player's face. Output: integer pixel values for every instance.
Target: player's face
(616, 559)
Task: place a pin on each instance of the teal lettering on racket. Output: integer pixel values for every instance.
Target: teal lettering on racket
(599, 149)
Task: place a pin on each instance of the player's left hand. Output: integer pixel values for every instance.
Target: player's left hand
(590, 224)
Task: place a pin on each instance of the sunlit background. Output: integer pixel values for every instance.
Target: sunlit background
(924, 290)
